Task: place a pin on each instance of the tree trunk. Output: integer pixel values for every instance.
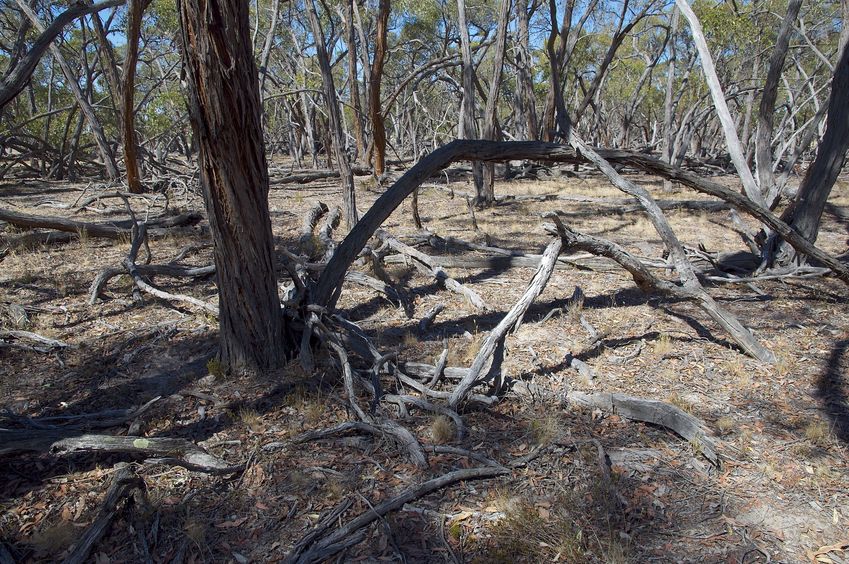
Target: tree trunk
(526, 101)
(375, 76)
(557, 113)
(265, 56)
(354, 82)
(106, 56)
(806, 211)
(468, 127)
(732, 141)
(349, 202)
(135, 10)
(766, 110)
(668, 113)
(488, 193)
(224, 104)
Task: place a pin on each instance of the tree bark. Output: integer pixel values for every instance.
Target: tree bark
(225, 110)
(526, 101)
(349, 203)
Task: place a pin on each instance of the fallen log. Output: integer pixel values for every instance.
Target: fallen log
(477, 150)
(109, 230)
(657, 413)
(425, 264)
(178, 452)
(493, 346)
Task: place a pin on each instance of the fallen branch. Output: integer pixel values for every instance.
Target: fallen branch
(493, 346)
(648, 282)
(324, 546)
(98, 286)
(110, 230)
(123, 483)
(139, 237)
(427, 266)
(656, 413)
(178, 452)
(6, 334)
(101, 420)
(689, 281)
(477, 150)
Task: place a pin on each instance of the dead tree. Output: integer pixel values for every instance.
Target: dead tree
(488, 192)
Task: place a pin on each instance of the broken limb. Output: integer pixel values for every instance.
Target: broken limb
(110, 230)
(123, 483)
(425, 264)
(648, 282)
(178, 452)
(140, 236)
(656, 413)
(478, 150)
(494, 343)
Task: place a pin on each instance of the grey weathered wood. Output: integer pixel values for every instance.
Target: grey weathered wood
(179, 452)
(425, 263)
(110, 230)
(735, 150)
(460, 150)
(648, 282)
(656, 413)
(689, 281)
(490, 349)
(349, 202)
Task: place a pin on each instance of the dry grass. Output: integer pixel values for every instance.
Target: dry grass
(725, 425)
(545, 430)
(251, 419)
(534, 533)
(817, 432)
(442, 430)
(663, 345)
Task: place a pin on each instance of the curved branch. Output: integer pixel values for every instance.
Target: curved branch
(471, 150)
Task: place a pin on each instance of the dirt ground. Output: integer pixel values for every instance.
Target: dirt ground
(782, 431)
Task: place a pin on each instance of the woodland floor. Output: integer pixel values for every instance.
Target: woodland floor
(782, 430)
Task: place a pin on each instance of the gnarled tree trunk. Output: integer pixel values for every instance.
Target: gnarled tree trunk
(223, 92)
